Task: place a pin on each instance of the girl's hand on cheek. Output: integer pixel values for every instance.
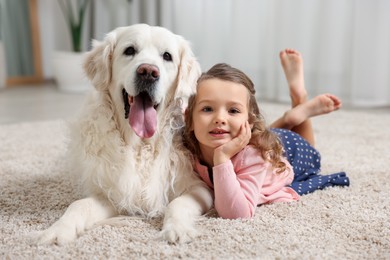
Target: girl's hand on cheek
(226, 151)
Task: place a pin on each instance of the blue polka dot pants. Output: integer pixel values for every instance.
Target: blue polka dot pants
(306, 163)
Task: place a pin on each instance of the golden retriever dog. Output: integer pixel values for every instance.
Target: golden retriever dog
(126, 145)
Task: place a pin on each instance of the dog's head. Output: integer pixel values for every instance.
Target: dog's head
(143, 68)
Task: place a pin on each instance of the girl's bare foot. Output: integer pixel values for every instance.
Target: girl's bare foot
(292, 64)
(319, 105)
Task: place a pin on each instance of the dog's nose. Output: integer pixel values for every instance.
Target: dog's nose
(148, 72)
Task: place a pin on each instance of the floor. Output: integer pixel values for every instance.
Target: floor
(37, 103)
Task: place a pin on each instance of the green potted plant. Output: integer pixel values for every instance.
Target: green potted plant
(67, 65)
(74, 17)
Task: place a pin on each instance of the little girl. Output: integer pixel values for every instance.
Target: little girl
(237, 155)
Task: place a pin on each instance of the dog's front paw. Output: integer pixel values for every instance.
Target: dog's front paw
(59, 233)
(178, 233)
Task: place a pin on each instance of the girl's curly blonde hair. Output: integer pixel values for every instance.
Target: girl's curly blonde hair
(262, 138)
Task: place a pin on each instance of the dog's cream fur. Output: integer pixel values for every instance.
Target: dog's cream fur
(120, 172)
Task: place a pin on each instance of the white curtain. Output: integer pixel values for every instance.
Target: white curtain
(109, 14)
(345, 43)
(16, 37)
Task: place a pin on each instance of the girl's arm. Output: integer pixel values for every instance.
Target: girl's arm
(237, 194)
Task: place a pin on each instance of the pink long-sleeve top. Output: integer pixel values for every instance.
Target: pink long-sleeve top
(245, 181)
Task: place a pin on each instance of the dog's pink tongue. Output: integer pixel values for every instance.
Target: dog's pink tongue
(143, 116)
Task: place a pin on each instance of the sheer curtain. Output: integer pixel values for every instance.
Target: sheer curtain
(345, 44)
(16, 37)
(109, 14)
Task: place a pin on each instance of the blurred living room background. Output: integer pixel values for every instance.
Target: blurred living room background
(344, 43)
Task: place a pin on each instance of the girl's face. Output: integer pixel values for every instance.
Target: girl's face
(221, 108)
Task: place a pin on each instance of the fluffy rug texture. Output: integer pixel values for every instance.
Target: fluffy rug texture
(335, 223)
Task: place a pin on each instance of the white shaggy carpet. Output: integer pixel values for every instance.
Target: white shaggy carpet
(336, 223)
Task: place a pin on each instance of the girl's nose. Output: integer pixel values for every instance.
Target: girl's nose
(220, 119)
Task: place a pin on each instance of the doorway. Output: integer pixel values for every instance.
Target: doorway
(19, 34)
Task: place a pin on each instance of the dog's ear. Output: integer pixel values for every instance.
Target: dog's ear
(98, 62)
(189, 72)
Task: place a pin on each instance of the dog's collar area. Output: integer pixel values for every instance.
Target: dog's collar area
(126, 103)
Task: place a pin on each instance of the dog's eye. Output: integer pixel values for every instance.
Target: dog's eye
(167, 56)
(130, 51)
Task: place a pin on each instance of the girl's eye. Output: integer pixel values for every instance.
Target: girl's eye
(234, 111)
(207, 109)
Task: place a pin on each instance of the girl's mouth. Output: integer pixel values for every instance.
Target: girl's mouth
(218, 132)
